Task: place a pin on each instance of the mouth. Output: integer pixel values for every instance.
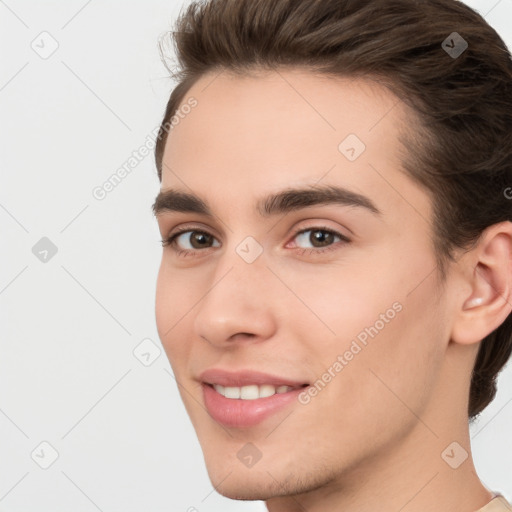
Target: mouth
(246, 399)
(252, 391)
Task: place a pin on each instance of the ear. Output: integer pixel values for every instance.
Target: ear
(488, 275)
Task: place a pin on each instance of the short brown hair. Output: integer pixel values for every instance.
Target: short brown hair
(460, 148)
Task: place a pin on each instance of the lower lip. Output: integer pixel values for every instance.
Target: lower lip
(245, 413)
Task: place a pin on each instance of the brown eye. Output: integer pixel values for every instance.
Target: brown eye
(190, 240)
(319, 238)
(198, 240)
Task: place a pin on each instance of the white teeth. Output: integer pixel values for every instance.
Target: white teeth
(267, 390)
(230, 392)
(251, 392)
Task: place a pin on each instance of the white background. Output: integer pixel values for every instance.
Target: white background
(68, 375)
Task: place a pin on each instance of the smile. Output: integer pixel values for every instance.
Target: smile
(251, 392)
(247, 398)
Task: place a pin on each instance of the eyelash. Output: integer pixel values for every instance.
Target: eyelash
(171, 241)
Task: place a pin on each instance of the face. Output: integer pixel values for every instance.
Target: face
(312, 311)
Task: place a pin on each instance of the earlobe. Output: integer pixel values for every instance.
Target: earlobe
(490, 280)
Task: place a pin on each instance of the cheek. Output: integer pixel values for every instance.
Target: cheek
(174, 301)
(395, 369)
(388, 331)
(164, 304)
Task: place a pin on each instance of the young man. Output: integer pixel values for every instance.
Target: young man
(335, 289)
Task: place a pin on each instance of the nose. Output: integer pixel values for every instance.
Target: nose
(238, 305)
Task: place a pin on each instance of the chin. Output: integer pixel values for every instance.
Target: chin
(246, 485)
(264, 481)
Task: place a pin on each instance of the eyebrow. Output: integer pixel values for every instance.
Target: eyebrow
(286, 201)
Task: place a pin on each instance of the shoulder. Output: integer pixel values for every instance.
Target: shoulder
(498, 504)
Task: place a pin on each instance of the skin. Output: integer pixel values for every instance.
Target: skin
(372, 439)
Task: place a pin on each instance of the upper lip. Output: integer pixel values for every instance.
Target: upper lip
(246, 378)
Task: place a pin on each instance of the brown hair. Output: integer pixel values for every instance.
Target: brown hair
(461, 147)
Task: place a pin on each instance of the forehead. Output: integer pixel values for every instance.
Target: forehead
(286, 106)
(275, 129)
